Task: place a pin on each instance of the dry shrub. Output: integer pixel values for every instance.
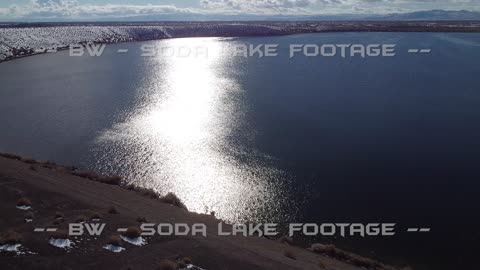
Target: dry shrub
(29, 161)
(130, 187)
(58, 215)
(167, 265)
(28, 215)
(133, 232)
(95, 215)
(10, 156)
(187, 260)
(112, 210)
(147, 192)
(114, 240)
(141, 219)
(24, 202)
(49, 164)
(11, 238)
(81, 218)
(86, 174)
(356, 260)
(59, 235)
(110, 180)
(289, 254)
(172, 199)
(32, 168)
(322, 265)
(285, 240)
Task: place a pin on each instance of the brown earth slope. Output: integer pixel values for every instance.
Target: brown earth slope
(53, 190)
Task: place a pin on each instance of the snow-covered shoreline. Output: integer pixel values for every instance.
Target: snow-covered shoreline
(19, 40)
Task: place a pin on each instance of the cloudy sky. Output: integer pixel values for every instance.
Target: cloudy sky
(103, 9)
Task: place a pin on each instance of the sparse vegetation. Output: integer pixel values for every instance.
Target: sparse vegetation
(95, 215)
(111, 180)
(28, 215)
(133, 232)
(81, 218)
(58, 215)
(24, 202)
(336, 253)
(289, 254)
(29, 161)
(285, 240)
(112, 210)
(141, 219)
(59, 235)
(322, 265)
(147, 192)
(172, 199)
(167, 265)
(10, 238)
(10, 156)
(49, 165)
(114, 240)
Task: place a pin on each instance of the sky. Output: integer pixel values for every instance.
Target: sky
(28, 10)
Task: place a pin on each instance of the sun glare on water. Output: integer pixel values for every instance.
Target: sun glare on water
(179, 138)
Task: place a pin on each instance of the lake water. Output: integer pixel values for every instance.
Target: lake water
(307, 139)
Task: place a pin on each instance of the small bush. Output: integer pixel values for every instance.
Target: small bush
(112, 210)
(141, 219)
(57, 222)
(172, 199)
(58, 215)
(114, 240)
(29, 215)
(11, 238)
(10, 156)
(95, 215)
(32, 168)
(167, 265)
(29, 161)
(285, 240)
(81, 218)
(322, 265)
(49, 164)
(130, 187)
(133, 232)
(24, 202)
(147, 192)
(187, 260)
(86, 174)
(59, 235)
(332, 251)
(289, 254)
(110, 180)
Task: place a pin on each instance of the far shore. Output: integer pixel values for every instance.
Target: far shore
(144, 31)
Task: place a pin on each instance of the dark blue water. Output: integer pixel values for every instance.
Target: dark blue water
(307, 139)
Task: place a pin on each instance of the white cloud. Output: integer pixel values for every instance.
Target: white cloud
(74, 9)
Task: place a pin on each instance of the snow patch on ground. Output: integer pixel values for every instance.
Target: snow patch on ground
(24, 207)
(139, 241)
(10, 247)
(61, 243)
(114, 248)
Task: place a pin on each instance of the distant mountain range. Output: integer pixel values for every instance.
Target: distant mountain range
(428, 15)
(413, 16)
